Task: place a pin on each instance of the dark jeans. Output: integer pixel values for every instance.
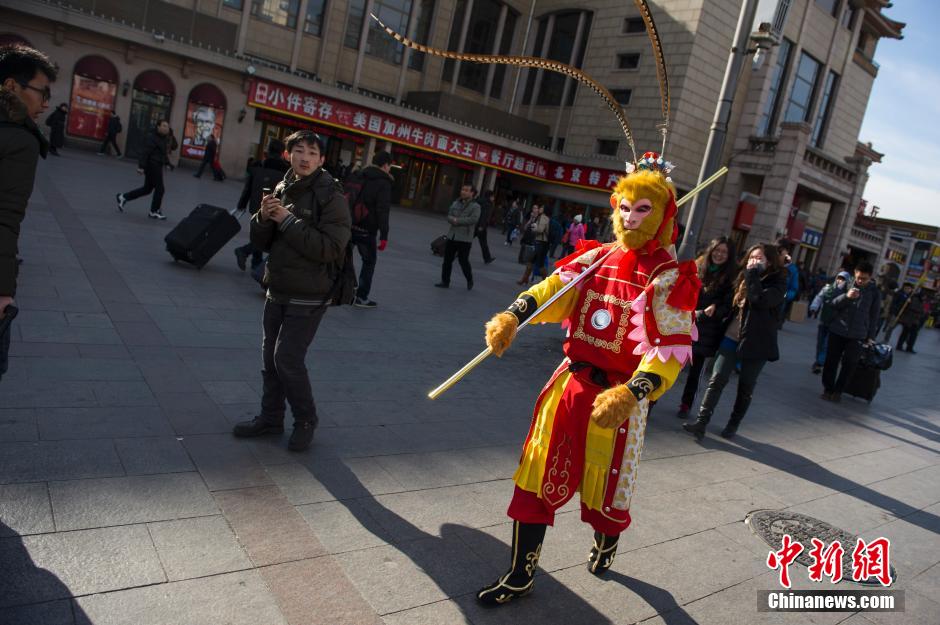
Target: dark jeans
(460, 249)
(153, 183)
(724, 365)
(484, 246)
(288, 332)
(909, 336)
(368, 252)
(692, 381)
(822, 344)
(110, 140)
(257, 256)
(840, 350)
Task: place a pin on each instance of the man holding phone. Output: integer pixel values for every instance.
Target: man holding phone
(854, 320)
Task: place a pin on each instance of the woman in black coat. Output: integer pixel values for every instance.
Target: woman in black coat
(716, 270)
(56, 123)
(750, 335)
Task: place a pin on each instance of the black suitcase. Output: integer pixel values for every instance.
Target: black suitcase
(864, 383)
(201, 234)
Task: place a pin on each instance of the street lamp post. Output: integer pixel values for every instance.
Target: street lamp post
(719, 128)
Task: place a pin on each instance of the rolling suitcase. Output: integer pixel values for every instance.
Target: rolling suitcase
(864, 382)
(201, 234)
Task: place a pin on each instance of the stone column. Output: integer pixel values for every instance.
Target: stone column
(363, 41)
(243, 27)
(781, 182)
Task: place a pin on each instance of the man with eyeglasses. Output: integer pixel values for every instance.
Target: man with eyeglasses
(25, 75)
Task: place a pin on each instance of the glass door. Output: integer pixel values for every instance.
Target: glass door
(146, 110)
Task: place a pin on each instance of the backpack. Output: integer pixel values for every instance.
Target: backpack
(343, 291)
(353, 187)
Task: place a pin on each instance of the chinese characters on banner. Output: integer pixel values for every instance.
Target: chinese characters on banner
(92, 103)
(320, 109)
(869, 560)
(202, 121)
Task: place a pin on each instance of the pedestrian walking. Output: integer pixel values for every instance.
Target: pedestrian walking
(854, 319)
(209, 157)
(576, 231)
(785, 249)
(822, 307)
(555, 233)
(370, 219)
(152, 160)
(513, 222)
(305, 227)
(534, 243)
(25, 76)
(56, 122)
(716, 270)
(910, 318)
(114, 129)
(749, 336)
(462, 216)
(263, 175)
(483, 225)
(171, 146)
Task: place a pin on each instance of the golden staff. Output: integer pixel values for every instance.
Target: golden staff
(452, 380)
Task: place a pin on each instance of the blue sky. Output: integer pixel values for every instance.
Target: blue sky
(903, 117)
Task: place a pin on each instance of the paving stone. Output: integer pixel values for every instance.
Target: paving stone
(315, 479)
(148, 456)
(58, 460)
(102, 422)
(57, 566)
(199, 547)
(139, 333)
(47, 394)
(117, 501)
(223, 392)
(268, 526)
(234, 599)
(25, 509)
(225, 462)
(121, 393)
(50, 613)
(69, 334)
(18, 424)
(192, 413)
(104, 351)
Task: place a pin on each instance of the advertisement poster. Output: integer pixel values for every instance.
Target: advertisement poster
(92, 103)
(202, 121)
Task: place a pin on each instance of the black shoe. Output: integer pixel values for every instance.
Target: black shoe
(360, 302)
(729, 432)
(469, 285)
(121, 201)
(257, 427)
(836, 397)
(518, 581)
(826, 396)
(302, 436)
(911, 351)
(817, 369)
(488, 261)
(442, 285)
(241, 258)
(697, 428)
(602, 553)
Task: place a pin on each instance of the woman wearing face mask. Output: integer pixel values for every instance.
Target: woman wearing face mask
(716, 270)
(750, 335)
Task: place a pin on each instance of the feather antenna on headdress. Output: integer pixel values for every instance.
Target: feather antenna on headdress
(661, 74)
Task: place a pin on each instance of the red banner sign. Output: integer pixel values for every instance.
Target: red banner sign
(324, 110)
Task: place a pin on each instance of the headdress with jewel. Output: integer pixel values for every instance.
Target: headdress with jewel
(577, 74)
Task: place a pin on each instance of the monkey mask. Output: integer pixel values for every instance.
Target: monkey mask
(643, 206)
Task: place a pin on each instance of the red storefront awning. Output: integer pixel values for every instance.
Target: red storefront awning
(97, 67)
(207, 94)
(154, 81)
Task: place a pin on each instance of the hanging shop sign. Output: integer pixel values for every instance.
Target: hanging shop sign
(328, 111)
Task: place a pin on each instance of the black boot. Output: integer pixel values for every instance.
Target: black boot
(526, 548)
(602, 553)
(696, 427)
(302, 436)
(732, 428)
(257, 427)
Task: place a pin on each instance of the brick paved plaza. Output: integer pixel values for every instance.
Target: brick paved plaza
(124, 499)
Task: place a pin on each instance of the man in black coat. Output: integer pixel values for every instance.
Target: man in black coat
(374, 198)
(56, 122)
(153, 158)
(261, 176)
(208, 156)
(486, 211)
(25, 75)
(854, 320)
(114, 129)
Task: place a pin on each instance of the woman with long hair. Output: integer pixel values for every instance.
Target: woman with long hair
(716, 270)
(750, 335)
(535, 233)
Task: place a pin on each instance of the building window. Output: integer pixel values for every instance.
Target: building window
(768, 119)
(280, 12)
(825, 106)
(394, 13)
(622, 96)
(314, 19)
(563, 35)
(804, 88)
(233, 4)
(607, 147)
(630, 60)
(829, 6)
(422, 32)
(848, 17)
(481, 37)
(633, 25)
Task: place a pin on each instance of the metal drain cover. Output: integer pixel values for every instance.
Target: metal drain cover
(771, 525)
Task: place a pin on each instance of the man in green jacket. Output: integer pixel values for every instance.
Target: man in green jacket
(462, 216)
(304, 227)
(25, 75)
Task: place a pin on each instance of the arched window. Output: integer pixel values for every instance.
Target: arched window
(151, 101)
(205, 113)
(94, 87)
(8, 39)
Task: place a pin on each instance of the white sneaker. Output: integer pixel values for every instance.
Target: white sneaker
(364, 303)
(121, 201)
(157, 215)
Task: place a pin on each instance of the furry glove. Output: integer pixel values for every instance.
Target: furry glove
(500, 330)
(613, 406)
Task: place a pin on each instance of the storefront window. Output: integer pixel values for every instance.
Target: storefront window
(771, 108)
(481, 37)
(233, 4)
(94, 87)
(396, 15)
(205, 114)
(151, 99)
(280, 12)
